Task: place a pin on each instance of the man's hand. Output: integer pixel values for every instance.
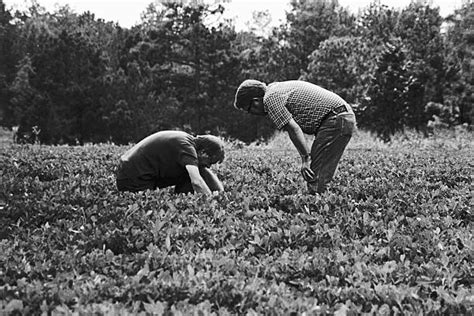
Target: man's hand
(198, 183)
(298, 139)
(306, 171)
(212, 181)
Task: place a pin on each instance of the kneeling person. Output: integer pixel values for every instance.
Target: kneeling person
(170, 158)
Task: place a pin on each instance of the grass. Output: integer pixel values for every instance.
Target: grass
(392, 236)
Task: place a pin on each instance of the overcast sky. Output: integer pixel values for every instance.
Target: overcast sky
(127, 12)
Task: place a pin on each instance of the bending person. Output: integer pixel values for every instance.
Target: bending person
(172, 158)
(301, 107)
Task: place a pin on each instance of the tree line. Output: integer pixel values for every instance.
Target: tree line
(74, 78)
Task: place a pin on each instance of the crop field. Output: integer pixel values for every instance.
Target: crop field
(393, 234)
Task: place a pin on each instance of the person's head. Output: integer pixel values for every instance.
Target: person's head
(210, 150)
(249, 97)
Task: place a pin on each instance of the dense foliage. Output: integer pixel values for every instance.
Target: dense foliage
(80, 79)
(393, 235)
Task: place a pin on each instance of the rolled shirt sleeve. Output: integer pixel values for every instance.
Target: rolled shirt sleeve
(276, 109)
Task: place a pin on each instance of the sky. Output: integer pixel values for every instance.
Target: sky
(127, 12)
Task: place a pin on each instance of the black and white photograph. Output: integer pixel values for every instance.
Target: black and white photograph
(236, 157)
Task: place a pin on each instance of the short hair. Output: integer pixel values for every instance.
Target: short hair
(212, 145)
(248, 90)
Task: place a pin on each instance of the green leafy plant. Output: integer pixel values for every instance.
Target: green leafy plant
(393, 235)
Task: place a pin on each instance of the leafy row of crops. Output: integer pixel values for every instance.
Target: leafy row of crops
(393, 234)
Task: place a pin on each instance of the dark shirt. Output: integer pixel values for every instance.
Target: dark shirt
(162, 155)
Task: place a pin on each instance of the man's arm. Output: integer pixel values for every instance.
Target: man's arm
(297, 138)
(211, 180)
(198, 183)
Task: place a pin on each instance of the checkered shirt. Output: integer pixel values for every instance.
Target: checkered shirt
(305, 102)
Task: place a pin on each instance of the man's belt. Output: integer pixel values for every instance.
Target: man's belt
(337, 110)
